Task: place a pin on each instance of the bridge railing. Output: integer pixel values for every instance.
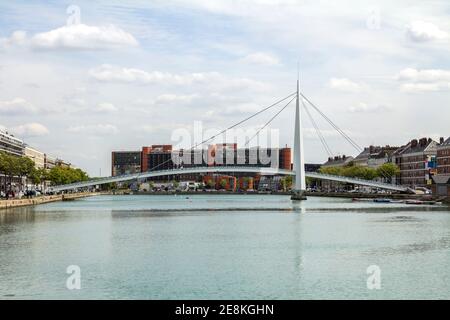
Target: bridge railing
(262, 170)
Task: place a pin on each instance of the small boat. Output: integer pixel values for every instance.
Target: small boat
(414, 202)
(361, 199)
(382, 200)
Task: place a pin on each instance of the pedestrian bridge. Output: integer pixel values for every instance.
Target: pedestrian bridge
(225, 169)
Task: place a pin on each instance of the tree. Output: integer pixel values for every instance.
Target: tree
(388, 170)
(62, 175)
(352, 171)
(223, 183)
(210, 184)
(286, 183)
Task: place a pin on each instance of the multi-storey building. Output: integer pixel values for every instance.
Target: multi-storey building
(442, 178)
(338, 161)
(375, 156)
(443, 157)
(37, 156)
(163, 157)
(50, 162)
(417, 162)
(11, 144)
(125, 162)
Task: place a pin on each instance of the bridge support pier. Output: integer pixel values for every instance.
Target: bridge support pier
(299, 195)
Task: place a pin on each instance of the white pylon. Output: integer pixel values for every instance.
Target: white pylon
(299, 156)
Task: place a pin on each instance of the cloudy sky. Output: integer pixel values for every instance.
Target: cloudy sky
(80, 79)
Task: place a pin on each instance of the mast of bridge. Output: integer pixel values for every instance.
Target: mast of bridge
(299, 192)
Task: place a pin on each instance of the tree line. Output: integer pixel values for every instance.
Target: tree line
(386, 171)
(14, 166)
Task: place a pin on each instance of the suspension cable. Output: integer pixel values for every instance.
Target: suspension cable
(318, 132)
(229, 128)
(346, 137)
(268, 122)
(341, 132)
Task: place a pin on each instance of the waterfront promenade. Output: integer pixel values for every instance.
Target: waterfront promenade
(7, 204)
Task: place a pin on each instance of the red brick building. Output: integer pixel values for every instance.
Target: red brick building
(417, 162)
(442, 179)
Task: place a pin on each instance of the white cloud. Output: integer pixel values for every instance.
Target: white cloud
(105, 107)
(344, 84)
(77, 36)
(173, 98)
(364, 108)
(311, 133)
(17, 38)
(423, 87)
(426, 75)
(157, 128)
(241, 108)
(261, 58)
(424, 80)
(30, 130)
(17, 106)
(81, 36)
(98, 129)
(109, 73)
(421, 31)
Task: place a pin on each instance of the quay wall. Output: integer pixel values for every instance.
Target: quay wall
(6, 204)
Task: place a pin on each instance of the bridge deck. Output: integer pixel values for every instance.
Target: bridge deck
(225, 169)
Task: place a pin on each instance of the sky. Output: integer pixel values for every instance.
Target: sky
(79, 79)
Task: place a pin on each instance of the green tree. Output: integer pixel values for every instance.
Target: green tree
(286, 183)
(388, 171)
(210, 184)
(223, 183)
(61, 175)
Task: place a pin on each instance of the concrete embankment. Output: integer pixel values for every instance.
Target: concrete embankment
(6, 204)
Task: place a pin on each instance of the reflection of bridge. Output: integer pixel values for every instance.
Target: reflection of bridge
(226, 169)
(299, 158)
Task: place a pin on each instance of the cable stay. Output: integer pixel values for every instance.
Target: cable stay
(268, 122)
(340, 131)
(233, 126)
(318, 132)
(343, 134)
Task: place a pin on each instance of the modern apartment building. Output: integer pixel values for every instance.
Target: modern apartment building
(125, 162)
(11, 144)
(164, 157)
(37, 156)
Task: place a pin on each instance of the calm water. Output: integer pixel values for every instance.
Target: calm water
(150, 247)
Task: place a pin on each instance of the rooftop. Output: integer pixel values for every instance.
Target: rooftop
(417, 145)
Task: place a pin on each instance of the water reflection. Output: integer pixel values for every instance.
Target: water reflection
(442, 243)
(233, 247)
